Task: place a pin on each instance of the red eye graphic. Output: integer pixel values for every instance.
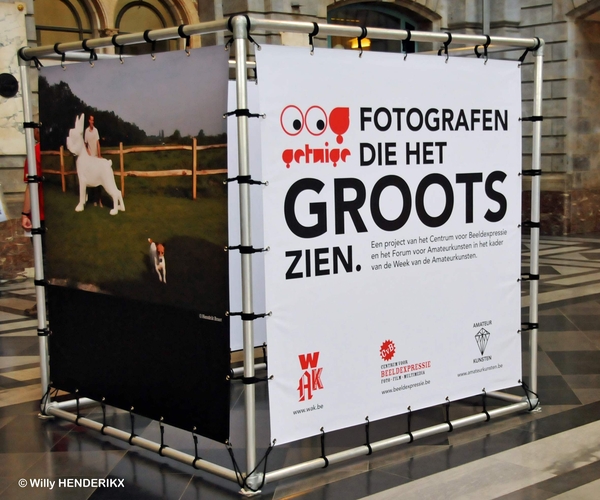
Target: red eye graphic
(339, 121)
(316, 120)
(292, 120)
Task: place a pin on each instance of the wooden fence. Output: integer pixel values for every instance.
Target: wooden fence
(193, 172)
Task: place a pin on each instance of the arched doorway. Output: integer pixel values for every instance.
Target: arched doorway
(389, 15)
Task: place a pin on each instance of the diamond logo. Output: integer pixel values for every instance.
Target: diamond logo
(482, 337)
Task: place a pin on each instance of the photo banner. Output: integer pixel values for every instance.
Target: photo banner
(134, 157)
(130, 219)
(392, 215)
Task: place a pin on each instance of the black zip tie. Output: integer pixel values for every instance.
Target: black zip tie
(530, 277)
(43, 332)
(531, 173)
(36, 61)
(360, 39)
(131, 416)
(230, 28)
(451, 428)
(264, 350)
(103, 406)
(525, 327)
(238, 474)
(229, 43)
(405, 43)
(368, 443)
(118, 46)
(45, 399)
(250, 39)
(323, 449)
(31, 125)
(247, 249)
(239, 477)
(63, 55)
(409, 422)
(535, 118)
(445, 48)
(153, 42)
(40, 282)
(314, 33)
(487, 415)
(531, 224)
(527, 391)
(32, 179)
(254, 380)
(264, 475)
(247, 316)
(485, 48)
(162, 437)
(38, 64)
(245, 179)
(38, 230)
(533, 49)
(187, 38)
(196, 456)
(93, 56)
(77, 406)
(243, 112)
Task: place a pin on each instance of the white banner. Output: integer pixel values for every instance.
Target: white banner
(392, 214)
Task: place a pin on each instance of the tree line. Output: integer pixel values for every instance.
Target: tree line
(59, 107)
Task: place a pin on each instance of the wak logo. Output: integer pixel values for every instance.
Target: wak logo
(310, 381)
(316, 121)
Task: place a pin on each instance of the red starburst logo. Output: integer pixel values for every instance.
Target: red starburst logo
(387, 350)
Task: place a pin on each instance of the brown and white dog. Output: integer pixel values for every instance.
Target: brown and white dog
(157, 258)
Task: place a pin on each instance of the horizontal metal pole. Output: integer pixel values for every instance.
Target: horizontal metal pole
(318, 463)
(71, 404)
(127, 39)
(274, 25)
(146, 444)
(505, 396)
(83, 56)
(469, 51)
(387, 34)
(249, 64)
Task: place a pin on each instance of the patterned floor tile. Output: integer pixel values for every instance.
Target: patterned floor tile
(568, 385)
(576, 362)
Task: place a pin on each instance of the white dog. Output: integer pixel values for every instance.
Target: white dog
(157, 257)
(92, 171)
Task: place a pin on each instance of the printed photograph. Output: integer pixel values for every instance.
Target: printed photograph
(134, 156)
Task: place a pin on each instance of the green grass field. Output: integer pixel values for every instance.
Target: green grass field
(94, 249)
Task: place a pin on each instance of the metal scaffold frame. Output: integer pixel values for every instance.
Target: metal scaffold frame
(242, 27)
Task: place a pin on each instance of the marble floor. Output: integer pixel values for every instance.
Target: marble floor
(551, 452)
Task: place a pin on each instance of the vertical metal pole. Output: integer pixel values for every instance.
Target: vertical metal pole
(485, 24)
(240, 39)
(535, 214)
(40, 292)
